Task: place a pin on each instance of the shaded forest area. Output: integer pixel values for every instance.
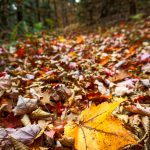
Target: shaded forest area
(20, 17)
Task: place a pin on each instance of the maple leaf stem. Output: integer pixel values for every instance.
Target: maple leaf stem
(84, 136)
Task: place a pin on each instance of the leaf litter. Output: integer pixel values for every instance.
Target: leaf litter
(59, 92)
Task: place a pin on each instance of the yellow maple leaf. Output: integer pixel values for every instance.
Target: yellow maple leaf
(98, 129)
(61, 39)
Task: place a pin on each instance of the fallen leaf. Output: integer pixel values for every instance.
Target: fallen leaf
(5, 82)
(105, 60)
(120, 76)
(79, 39)
(3, 137)
(20, 52)
(10, 121)
(40, 51)
(125, 87)
(132, 51)
(25, 105)
(25, 120)
(39, 113)
(18, 145)
(139, 109)
(44, 96)
(122, 90)
(26, 134)
(6, 104)
(98, 129)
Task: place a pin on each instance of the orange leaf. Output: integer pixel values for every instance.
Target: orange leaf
(120, 76)
(105, 60)
(98, 129)
(79, 40)
(132, 51)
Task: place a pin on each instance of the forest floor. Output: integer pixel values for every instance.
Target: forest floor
(89, 91)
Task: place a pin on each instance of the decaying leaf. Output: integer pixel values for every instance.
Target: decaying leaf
(25, 105)
(139, 109)
(43, 127)
(120, 76)
(44, 96)
(5, 82)
(125, 87)
(26, 134)
(39, 113)
(18, 145)
(98, 129)
(67, 141)
(25, 120)
(4, 140)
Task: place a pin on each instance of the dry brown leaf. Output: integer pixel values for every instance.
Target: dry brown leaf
(45, 96)
(98, 129)
(5, 82)
(132, 51)
(139, 109)
(39, 113)
(25, 120)
(105, 60)
(18, 145)
(120, 76)
(25, 105)
(43, 128)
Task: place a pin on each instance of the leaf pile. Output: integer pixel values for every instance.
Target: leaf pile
(48, 81)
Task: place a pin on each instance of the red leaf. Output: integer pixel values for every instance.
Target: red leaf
(59, 108)
(10, 121)
(40, 51)
(45, 69)
(2, 74)
(20, 52)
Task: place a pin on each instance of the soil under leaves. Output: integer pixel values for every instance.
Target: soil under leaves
(48, 80)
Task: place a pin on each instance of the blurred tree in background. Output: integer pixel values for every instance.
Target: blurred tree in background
(96, 11)
(23, 16)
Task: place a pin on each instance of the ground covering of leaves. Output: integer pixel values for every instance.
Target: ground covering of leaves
(47, 81)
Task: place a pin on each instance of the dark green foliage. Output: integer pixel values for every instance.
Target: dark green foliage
(25, 17)
(96, 11)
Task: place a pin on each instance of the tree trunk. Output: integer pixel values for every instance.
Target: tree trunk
(55, 12)
(132, 6)
(38, 12)
(64, 12)
(4, 13)
(19, 10)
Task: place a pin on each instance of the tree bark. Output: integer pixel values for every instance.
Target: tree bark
(38, 12)
(132, 6)
(19, 10)
(55, 11)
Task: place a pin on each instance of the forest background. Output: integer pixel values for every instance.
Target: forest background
(24, 17)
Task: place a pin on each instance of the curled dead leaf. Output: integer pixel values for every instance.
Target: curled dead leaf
(25, 120)
(39, 113)
(25, 105)
(67, 141)
(18, 145)
(26, 134)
